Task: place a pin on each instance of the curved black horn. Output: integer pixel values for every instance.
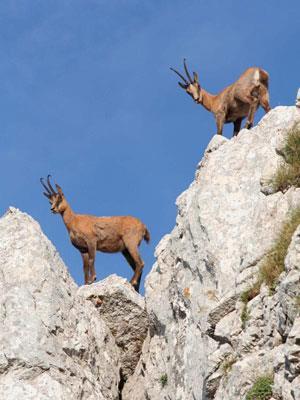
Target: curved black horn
(45, 187)
(186, 71)
(49, 184)
(182, 85)
(179, 74)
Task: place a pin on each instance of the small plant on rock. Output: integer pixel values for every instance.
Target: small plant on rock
(163, 380)
(288, 174)
(273, 264)
(246, 296)
(228, 363)
(297, 302)
(251, 292)
(262, 389)
(245, 316)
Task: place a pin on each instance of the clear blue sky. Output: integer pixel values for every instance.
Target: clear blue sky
(87, 95)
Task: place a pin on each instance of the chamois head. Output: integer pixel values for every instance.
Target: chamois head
(191, 86)
(56, 199)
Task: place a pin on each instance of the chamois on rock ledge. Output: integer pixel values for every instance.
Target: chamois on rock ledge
(107, 234)
(239, 100)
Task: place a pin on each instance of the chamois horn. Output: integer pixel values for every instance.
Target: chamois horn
(47, 193)
(186, 71)
(49, 184)
(179, 74)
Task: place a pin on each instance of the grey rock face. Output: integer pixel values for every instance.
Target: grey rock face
(298, 98)
(227, 220)
(123, 311)
(53, 345)
(61, 342)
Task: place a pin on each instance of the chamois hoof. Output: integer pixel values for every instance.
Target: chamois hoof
(92, 280)
(135, 286)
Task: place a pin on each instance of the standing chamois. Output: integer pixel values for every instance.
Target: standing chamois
(239, 100)
(107, 234)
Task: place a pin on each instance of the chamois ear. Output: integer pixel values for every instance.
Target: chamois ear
(196, 79)
(59, 190)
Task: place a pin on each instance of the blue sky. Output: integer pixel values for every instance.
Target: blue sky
(87, 95)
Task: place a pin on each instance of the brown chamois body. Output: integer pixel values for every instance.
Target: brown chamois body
(237, 101)
(107, 234)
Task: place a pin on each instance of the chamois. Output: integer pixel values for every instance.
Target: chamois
(107, 234)
(239, 100)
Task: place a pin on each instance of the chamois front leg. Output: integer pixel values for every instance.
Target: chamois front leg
(85, 260)
(92, 256)
(250, 118)
(220, 120)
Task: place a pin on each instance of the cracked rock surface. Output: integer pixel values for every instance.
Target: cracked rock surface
(123, 310)
(53, 345)
(197, 348)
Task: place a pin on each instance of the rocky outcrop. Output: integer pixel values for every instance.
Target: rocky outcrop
(123, 311)
(53, 345)
(269, 342)
(198, 348)
(193, 339)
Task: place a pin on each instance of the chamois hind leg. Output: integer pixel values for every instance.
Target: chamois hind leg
(251, 98)
(129, 259)
(136, 263)
(85, 260)
(250, 118)
(131, 262)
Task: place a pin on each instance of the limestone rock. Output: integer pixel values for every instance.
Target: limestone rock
(298, 98)
(123, 311)
(53, 345)
(197, 348)
(201, 343)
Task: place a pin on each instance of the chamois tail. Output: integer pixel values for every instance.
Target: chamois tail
(147, 235)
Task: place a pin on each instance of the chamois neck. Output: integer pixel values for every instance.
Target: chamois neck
(208, 100)
(68, 216)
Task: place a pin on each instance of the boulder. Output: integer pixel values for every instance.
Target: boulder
(53, 344)
(123, 311)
